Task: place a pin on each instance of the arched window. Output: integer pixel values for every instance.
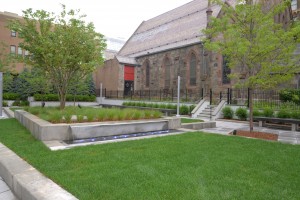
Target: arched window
(147, 74)
(226, 71)
(167, 65)
(193, 70)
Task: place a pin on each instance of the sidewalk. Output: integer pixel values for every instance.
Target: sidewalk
(5, 192)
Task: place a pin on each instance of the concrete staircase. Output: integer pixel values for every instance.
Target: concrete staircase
(207, 112)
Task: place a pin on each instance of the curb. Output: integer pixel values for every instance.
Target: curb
(26, 182)
(9, 112)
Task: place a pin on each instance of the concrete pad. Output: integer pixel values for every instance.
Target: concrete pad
(8, 195)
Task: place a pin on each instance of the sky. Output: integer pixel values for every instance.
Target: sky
(113, 18)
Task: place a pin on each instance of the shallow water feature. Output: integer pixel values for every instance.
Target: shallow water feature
(120, 137)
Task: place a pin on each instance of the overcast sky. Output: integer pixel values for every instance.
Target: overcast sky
(113, 18)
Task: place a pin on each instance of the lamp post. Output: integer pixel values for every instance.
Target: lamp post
(1, 92)
(178, 97)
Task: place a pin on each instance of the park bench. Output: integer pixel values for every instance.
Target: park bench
(262, 121)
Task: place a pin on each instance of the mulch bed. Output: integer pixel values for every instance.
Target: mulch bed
(255, 134)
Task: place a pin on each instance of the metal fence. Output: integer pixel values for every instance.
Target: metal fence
(261, 98)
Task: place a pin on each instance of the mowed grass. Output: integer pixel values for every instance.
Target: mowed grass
(187, 166)
(188, 120)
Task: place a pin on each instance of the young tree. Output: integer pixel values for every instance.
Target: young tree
(63, 46)
(254, 45)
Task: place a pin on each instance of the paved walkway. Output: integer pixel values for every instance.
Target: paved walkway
(5, 192)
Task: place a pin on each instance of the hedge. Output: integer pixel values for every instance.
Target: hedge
(70, 97)
(11, 96)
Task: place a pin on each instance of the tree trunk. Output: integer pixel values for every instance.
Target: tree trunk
(62, 99)
(250, 109)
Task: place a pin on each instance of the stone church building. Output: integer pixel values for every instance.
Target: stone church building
(168, 46)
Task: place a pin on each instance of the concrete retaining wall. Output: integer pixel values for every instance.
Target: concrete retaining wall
(25, 181)
(45, 131)
(199, 125)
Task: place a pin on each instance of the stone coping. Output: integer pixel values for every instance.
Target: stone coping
(25, 181)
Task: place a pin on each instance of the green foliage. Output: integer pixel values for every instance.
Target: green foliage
(295, 114)
(63, 46)
(241, 113)
(4, 103)
(283, 114)
(227, 112)
(257, 113)
(290, 95)
(11, 96)
(69, 97)
(184, 110)
(268, 112)
(55, 115)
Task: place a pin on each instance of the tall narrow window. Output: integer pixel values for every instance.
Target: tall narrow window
(226, 71)
(193, 70)
(147, 74)
(26, 53)
(13, 49)
(13, 34)
(167, 65)
(20, 51)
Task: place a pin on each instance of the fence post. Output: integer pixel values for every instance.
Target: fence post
(186, 94)
(220, 96)
(248, 98)
(159, 94)
(228, 90)
(210, 97)
(230, 95)
(202, 93)
(131, 95)
(104, 92)
(117, 94)
(149, 95)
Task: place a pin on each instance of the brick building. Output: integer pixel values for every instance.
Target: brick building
(168, 46)
(10, 40)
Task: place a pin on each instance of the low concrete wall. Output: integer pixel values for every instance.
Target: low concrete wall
(45, 131)
(199, 125)
(41, 129)
(25, 181)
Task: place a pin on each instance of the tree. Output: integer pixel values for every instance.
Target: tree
(63, 46)
(255, 46)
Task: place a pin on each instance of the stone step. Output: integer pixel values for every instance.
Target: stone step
(288, 140)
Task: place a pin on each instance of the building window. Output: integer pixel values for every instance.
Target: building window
(26, 53)
(13, 49)
(167, 65)
(13, 34)
(193, 70)
(226, 71)
(20, 51)
(147, 74)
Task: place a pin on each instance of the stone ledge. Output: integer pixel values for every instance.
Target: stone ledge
(25, 181)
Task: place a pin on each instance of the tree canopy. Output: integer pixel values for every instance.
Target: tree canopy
(254, 44)
(64, 46)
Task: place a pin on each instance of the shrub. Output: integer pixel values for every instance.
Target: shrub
(257, 113)
(54, 97)
(184, 110)
(16, 103)
(283, 114)
(241, 113)
(227, 112)
(192, 107)
(4, 104)
(268, 112)
(11, 96)
(295, 114)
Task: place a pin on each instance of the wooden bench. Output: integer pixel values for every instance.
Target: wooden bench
(262, 121)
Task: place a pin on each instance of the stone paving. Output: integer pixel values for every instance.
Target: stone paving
(5, 192)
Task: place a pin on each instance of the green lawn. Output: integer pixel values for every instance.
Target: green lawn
(187, 166)
(188, 120)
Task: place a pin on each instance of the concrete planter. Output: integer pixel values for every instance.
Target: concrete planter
(46, 131)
